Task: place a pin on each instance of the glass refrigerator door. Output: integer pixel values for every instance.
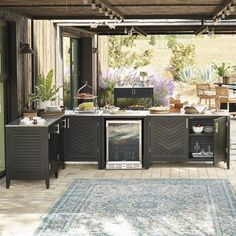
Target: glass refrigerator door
(124, 140)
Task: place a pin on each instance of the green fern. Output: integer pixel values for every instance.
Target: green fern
(45, 91)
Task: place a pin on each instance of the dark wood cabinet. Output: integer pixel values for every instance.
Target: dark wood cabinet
(168, 138)
(83, 138)
(215, 142)
(56, 146)
(33, 152)
(172, 138)
(135, 92)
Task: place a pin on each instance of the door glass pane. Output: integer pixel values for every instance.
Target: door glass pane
(71, 71)
(2, 143)
(3, 62)
(67, 73)
(74, 70)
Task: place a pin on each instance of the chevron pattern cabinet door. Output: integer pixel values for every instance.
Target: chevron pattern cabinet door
(169, 138)
(83, 139)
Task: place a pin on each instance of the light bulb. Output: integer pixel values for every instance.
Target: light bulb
(93, 5)
(100, 10)
(106, 12)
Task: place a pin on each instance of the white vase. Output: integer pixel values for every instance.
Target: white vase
(44, 104)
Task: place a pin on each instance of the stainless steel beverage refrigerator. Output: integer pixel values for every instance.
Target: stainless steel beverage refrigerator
(123, 144)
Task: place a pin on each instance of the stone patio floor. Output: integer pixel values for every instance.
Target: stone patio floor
(23, 205)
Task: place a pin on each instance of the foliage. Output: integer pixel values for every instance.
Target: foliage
(207, 74)
(152, 40)
(143, 74)
(182, 55)
(222, 69)
(171, 41)
(120, 57)
(187, 74)
(45, 91)
(163, 90)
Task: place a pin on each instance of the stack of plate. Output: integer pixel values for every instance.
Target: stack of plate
(208, 129)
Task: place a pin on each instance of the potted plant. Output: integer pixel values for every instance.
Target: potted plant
(222, 71)
(45, 91)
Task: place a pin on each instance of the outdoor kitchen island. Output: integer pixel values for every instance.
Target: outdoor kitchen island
(33, 151)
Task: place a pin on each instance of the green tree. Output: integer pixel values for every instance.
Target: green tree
(182, 55)
(152, 40)
(120, 56)
(171, 41)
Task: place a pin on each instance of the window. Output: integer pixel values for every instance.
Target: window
(3, 52)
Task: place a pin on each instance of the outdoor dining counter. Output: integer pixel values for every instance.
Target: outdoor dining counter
(35, 151)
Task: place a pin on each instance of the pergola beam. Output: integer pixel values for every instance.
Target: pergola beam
(139, 31)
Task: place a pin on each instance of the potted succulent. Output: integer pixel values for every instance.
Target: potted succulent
(45, 91)
(222, 71)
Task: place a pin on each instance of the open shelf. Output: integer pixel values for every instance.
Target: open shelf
(201, 159)
(201, 134)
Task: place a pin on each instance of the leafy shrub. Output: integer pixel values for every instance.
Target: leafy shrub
(163, 90)
(182, 55)
(120, 57)
(152, 40)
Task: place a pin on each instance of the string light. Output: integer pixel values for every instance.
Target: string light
(106, 12)
(100, 9)
(226, 11)
(93, 5)
(106, 9)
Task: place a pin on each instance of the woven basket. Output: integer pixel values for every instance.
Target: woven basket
(190, 110)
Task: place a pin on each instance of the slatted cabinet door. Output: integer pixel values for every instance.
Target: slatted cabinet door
(27, 154)
(83, 138)
(168, 138)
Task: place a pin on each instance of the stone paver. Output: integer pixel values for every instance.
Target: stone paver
(24, 204)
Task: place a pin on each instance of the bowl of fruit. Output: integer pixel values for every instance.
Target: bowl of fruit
(198, 128)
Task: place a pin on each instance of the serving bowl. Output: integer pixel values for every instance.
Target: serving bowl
(197, 129)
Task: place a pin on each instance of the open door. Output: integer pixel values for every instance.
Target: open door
(220, 140)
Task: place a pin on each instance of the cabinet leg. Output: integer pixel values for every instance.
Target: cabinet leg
(228, 164)
(47, 183)
(63, 165)
(56, 174)
(8, 182)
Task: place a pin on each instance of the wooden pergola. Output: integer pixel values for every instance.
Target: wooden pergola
(175, 16)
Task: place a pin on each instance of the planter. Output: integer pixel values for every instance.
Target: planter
(30, 114)
(44, 104)
(226, 80)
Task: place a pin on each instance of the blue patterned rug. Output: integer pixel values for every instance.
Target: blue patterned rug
(147, 207)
